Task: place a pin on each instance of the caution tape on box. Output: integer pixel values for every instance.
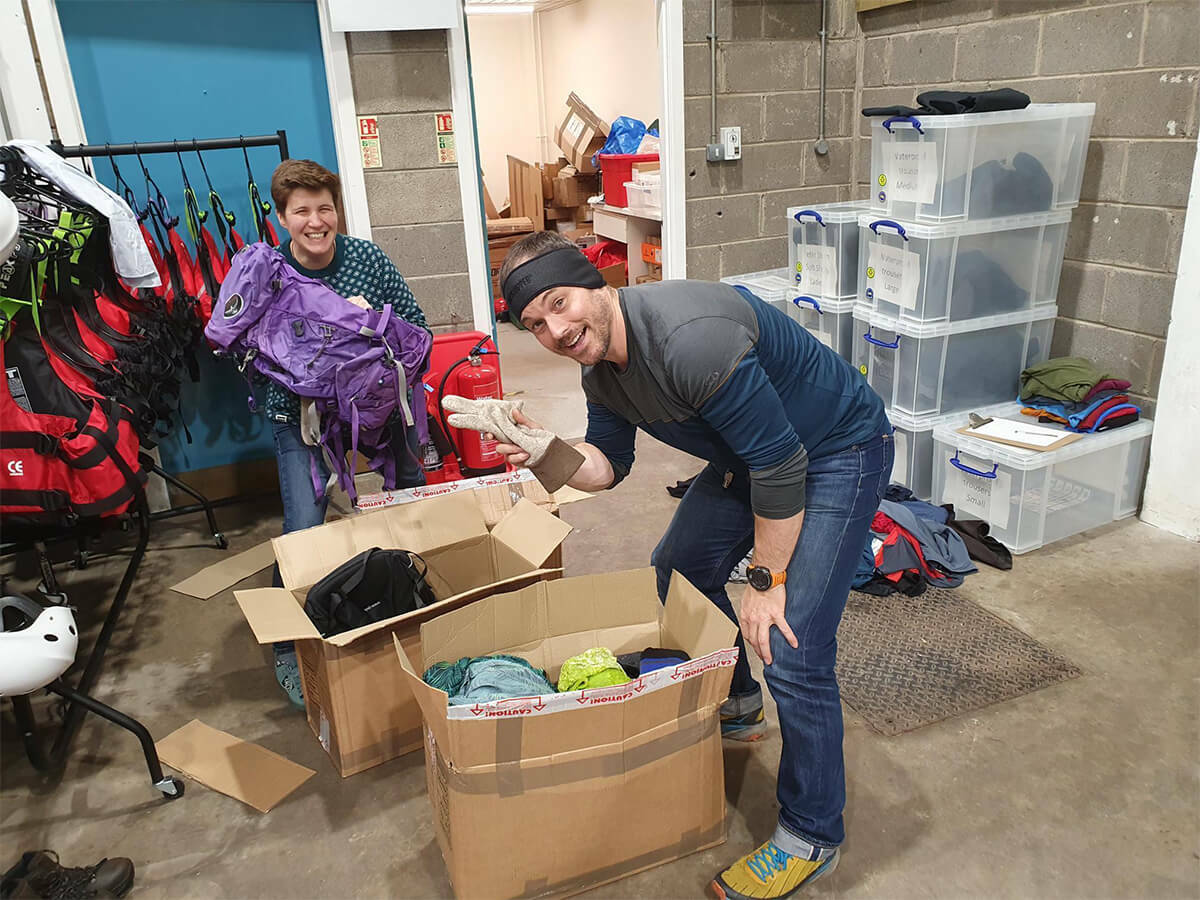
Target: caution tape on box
(615, 694)
(410, 495)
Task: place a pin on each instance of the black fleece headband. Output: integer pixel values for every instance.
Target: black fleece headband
(565, 267)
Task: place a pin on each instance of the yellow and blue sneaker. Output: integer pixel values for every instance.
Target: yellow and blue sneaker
(769, 873)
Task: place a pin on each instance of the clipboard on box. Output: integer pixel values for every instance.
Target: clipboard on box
(1027, 436)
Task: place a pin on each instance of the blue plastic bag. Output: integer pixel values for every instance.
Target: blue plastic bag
(625, 136)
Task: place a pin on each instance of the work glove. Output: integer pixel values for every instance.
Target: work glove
(551, 459)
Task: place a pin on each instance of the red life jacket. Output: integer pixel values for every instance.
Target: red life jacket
(80, 460)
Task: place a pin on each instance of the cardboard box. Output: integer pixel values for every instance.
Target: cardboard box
(642, 169)
(571, 189)
(614, 275)
(556, 794)
(652, 250)
(358, 706)
(580, 134)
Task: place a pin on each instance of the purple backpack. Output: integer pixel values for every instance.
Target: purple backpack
(356, 364)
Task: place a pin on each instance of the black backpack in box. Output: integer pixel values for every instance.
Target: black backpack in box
(373, 586)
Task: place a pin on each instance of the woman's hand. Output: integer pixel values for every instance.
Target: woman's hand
(515, 456)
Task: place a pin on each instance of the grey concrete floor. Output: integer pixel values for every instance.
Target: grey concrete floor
(1086, 789)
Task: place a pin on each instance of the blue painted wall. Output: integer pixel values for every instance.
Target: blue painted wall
(150, 70)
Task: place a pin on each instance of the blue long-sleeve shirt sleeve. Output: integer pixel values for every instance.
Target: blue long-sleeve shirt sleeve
(614, 437)
(746, 411)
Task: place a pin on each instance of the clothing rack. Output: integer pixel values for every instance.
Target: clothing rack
(278, 139)
(80, 151)
(76, 698)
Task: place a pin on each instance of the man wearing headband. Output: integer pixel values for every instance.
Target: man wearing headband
(799, 453)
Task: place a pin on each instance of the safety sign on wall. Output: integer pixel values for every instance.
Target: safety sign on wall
(446, 151)
(368, 142)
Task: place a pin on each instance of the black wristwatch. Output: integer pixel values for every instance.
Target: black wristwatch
(763, 579)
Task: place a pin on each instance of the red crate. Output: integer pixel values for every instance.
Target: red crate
(617, 168)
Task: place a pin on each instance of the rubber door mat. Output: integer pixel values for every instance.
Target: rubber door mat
(906, 662)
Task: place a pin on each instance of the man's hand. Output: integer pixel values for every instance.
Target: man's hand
(759, 611)
(521, 442)
(515, 455)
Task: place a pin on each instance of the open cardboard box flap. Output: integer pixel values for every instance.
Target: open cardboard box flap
(305, 557)
(547, 623)
(523, 539)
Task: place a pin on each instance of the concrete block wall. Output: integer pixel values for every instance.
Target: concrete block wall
(403, 77)
(767, 84)
(1139, 62)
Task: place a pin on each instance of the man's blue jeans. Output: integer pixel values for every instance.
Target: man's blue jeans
(711, 532)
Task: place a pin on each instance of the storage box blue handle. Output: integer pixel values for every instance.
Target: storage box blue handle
(815, 305)
(875, 226)
(810, 212)
(911, 120)
(878, 343)
(964, 467)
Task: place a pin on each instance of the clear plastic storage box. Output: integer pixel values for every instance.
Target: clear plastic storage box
(927, 168)
(948, 367)
(643, 195)
(1031, 498)
(823, 248)
(913, 439)
(830, 321)
(772, 286)
(964, 270)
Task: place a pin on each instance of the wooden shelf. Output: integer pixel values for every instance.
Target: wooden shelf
(624, 211)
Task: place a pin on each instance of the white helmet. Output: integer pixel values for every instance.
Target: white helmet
(9, 227)
(38, 649)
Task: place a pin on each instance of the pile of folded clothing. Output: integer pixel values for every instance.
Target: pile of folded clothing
(910, 547)
(1072, 392)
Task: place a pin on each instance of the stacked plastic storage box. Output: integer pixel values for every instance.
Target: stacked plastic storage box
(771, 286)
(823, 262)
(959, 262)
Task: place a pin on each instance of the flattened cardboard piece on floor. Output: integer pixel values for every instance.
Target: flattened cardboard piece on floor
(211, 580)
(242, 770)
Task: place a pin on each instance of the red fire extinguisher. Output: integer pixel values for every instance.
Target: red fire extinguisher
(478, 380)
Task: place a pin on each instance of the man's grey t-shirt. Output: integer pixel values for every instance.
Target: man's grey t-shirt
(726, 377)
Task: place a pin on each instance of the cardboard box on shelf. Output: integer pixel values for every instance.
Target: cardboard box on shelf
(580, 134)
(358, 706)
(641, 169)
(615, 275)
(652, 250)
(641, 762)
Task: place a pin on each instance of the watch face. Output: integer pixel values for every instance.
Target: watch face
(759, 578)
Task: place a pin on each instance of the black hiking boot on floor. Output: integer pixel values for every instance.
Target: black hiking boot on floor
(39, 874)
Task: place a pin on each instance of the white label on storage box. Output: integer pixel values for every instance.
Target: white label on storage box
(979, 497)
(817, 271)
(618, 693)
(894, 275)
(900, 467)
(323, 737)
(912, 170)
(574, 126)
